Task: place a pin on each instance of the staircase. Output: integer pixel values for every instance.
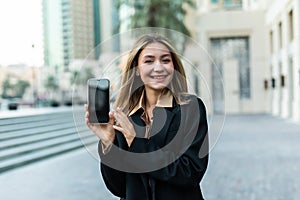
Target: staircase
(28, 139)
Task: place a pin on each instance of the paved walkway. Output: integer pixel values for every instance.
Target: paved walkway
(35, 111)
(256, 157)
(72, 176)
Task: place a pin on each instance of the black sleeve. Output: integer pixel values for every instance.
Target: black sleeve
(114, 179)
(190, 165)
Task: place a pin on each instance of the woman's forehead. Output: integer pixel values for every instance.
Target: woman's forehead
(156, 47)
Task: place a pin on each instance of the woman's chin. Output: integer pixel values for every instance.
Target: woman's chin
(157, 86)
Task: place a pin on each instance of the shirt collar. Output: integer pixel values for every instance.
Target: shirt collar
(165, 101)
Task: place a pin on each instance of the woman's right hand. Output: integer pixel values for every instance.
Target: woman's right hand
(105, 132)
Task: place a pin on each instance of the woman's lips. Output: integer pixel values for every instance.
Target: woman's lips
(159, 78)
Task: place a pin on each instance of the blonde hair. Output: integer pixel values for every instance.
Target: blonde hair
(132, 86)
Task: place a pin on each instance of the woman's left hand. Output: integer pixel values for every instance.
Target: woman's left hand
(124, 125)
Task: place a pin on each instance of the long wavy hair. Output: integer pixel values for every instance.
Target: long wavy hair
(132, 86)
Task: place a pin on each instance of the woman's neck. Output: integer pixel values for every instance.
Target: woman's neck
(152, 97)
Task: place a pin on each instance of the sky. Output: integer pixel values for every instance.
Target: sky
(20, 28)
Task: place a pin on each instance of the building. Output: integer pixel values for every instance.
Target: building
(73, 28)
(68, 31)
(235, 36)
(74, 31)
(255, 50)
(282, 19)
(53, 34)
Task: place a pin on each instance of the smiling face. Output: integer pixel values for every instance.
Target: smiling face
(155, 66)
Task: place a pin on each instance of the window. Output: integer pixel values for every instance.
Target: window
(290, 77)
(291, 25)
(299, 77)
(232, 4)
(271, 42)
(227, 4)
(196, 84)
(280, 34)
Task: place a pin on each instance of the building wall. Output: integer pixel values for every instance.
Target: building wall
(284, 56)
(81, 29)
(239, 23)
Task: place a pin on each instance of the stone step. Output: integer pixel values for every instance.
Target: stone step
(35, 131)
(34, 138)
(35, 156)
(33, 118)
(33, 124)
(28, 139)
(36, 146)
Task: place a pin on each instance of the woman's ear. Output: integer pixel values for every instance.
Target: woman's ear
(137, 73)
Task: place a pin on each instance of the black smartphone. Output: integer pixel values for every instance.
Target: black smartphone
(98, 100)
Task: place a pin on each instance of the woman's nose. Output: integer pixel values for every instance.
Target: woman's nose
(158, 66)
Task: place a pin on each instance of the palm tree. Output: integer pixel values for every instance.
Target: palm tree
(14, 90)
(79, 80)
(21, 87)
(6, 87)
(81, 77)
(157, 13)
(51, 83)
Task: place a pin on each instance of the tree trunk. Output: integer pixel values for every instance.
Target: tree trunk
(151, 16)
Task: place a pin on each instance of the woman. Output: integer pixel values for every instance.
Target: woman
(155, 118)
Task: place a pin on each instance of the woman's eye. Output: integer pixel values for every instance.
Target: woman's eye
(148, 61)
(166, 60)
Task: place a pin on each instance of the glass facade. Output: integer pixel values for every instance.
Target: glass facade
(115, 25)
(236, 48)
(53, 39)
(66, 19)
(97, 27)
(227, 4)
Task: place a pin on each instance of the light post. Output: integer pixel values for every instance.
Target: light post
(34, 79)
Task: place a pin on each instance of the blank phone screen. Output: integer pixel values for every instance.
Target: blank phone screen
(98, 100)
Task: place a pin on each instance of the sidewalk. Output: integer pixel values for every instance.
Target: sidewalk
(35, 111)
(256, 158)
(72, 176)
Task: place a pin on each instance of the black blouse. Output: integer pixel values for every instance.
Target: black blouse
(169, 164)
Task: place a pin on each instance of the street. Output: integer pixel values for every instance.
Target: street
(256, 157)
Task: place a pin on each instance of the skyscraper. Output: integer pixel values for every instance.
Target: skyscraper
(52, 30)
(71, 31)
